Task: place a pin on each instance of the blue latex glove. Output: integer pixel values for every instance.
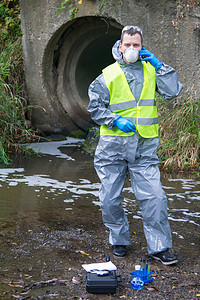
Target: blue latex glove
(150, 57)
(124, 125)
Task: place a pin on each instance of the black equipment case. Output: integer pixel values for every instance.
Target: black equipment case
(101, 284)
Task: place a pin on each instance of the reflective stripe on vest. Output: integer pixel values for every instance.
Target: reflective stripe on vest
(144, 113)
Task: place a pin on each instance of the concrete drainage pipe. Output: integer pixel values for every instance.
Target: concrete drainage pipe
(81, 53)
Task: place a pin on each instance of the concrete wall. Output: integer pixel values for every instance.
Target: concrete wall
(62, 56)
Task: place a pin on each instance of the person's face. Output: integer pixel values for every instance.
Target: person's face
(130, 40)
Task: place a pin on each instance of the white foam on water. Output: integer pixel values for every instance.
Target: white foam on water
(68, 201)
(42, 180)
(179, 209)
(195, 197)
(180, 236)
(128, 189)
(179, 179)
(177, 220)
(168, 187)
(52, 148)
(6, 172)
(192, 222)
(192, 214)
(84, 181)
(98, 203)
(187, 184)
(188, 187)
(13, 183)
(178, 195)
(136, 217)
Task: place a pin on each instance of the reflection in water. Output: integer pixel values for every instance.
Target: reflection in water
(37, 180)
(182, 206)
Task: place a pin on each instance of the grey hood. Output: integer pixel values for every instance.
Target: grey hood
(117, 55)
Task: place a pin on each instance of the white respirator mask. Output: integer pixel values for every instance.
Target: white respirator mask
(131, 54)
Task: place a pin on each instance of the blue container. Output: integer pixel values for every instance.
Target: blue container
(143, 274)
(137, 283)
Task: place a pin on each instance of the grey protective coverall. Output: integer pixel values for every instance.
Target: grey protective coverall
(115, 155)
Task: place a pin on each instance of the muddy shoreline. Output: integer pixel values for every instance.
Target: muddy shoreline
(45, 262)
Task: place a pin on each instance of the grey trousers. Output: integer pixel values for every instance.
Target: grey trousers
(115, 156)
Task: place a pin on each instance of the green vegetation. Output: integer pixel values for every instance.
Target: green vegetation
(179, 134)
(79, 134)
(90, 143)
(14, 128)
(69, 5)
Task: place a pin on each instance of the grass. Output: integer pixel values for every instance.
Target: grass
(179, 134)
(14, 127)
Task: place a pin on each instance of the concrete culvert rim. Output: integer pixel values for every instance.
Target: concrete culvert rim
(84, 50)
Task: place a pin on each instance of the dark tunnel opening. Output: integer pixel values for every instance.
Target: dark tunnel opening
(93, 59)
(85, 50)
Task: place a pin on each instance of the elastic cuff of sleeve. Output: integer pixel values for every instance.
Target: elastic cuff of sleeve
(115, 121)
(159, 65)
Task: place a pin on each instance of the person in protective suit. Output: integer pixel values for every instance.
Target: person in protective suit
(122, 101)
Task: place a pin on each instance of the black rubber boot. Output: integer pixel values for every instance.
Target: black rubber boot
(165, 257)
(119, 251)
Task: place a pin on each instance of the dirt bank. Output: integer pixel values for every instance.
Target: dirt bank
(42, 262)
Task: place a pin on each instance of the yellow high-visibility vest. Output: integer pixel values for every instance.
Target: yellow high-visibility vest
(122, 102)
